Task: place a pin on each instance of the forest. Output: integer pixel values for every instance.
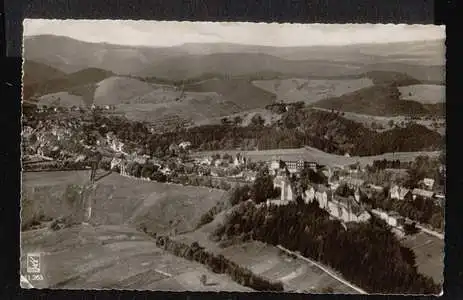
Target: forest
(327, 131)
(367, 254)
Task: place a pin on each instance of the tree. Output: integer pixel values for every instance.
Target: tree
(410, 228)
(262, 188)
(237, 120)
(257, 120)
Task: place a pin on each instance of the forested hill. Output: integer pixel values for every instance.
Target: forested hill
(380, 100)
(326, 131)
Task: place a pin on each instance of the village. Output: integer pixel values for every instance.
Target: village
(344, 191)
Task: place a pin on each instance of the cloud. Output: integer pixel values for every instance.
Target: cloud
(168, 33)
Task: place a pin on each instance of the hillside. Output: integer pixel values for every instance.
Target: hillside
(70, 81)
(311, 90)
(70, 55)
(379, 100)
(243, 63)
(35, 73)
(239, 91)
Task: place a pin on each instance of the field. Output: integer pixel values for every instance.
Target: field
(424, 93)
(120, 200)
(381, 123)
(61, 99)
(315, 155)
(111, 253)
(429, 251)
(105, 257)
(269, 262)
(246, 117)
(296, 274)
(311, 90)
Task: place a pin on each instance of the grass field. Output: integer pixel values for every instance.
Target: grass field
(105, 257)
(313, 154)
(120, 200)
(311, 90)
(268, 261)
(429, 251)
(424, 93)
(368, 120)
(111, 252)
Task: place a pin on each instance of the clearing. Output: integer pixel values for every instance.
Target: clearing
(429, 251)
(424, 93)
(311, 90)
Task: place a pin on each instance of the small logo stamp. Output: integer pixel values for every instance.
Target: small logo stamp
(33, 263)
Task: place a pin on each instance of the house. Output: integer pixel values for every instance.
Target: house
(284, 184)
(333, 186)
(395, 220)
(439, 199)
(353, 183)
(184, 145)
(218, 162)
(347, 210)
(422, 193)
(239, 160)
(398, 193)
(250, 175)
(309, 194)
(428, 183)
(322, 195)
(207, 161)
(375, 188)
(294, 166)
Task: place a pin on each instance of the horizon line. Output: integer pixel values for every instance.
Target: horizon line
(239, 44)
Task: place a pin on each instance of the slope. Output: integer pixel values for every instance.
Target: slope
(71, 55)
(379, 100)
(71, 81)
(34, 73)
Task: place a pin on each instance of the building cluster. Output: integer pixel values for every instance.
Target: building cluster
(425, 191)
(346, 209)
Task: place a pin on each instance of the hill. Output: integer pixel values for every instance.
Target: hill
(422, 60)
(70, 55)
(243, 63)
(379, 100)
(239, 91)
(35, 73)
(70, 81)
(310, 90)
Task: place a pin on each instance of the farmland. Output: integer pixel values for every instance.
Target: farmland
(90, 256)
(121, 200)
(268, 261)
(424, 93)
(311, 90)
(105, 257)
(429, 251)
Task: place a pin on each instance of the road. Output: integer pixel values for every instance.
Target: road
(324, 269)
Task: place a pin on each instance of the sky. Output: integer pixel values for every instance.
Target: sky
(168, 33)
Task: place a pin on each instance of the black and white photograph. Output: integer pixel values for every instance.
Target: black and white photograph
(233, 156)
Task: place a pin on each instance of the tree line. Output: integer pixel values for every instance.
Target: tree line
(371, 255)
(218, 264)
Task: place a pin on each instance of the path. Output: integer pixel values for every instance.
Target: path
(324, 269)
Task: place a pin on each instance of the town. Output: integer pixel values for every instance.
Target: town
(293, 169)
